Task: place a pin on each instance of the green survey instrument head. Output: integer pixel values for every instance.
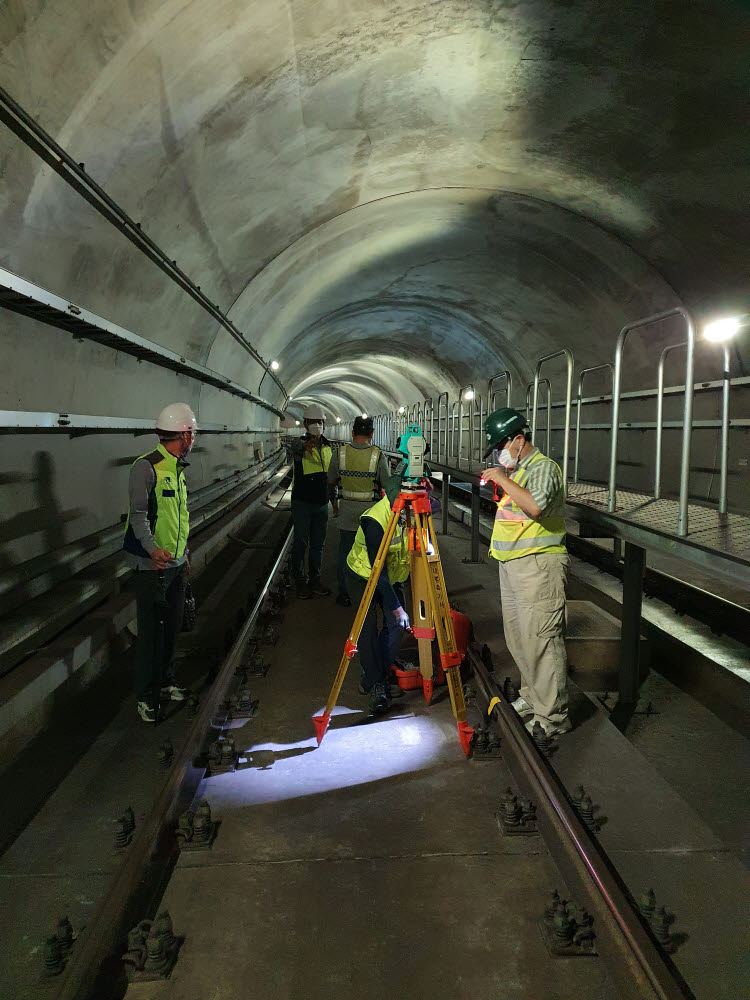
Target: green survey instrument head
(502, 424)
(411, 446)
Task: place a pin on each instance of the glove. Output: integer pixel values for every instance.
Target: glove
(401, 617)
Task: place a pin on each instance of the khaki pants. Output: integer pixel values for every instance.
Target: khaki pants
(532, 589)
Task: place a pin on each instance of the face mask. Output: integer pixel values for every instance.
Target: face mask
(507, 459)
(315, 429)
(189, 448)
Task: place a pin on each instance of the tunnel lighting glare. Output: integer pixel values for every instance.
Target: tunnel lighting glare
(297, 422)
(723, 329)
(364, 416)
(338, 420)
(469, 394)
(275, 366)
(402, 409)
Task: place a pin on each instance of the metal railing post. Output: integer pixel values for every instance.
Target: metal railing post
(579, 395)
(508, 390)
(441, 457)
(461, 421)
(568, 355)
(660, 414)
(548, 430)
(682, 516)
(724, 433)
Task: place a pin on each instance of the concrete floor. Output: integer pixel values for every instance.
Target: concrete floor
(372, 867)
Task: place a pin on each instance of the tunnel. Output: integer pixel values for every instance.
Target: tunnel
(402, 216)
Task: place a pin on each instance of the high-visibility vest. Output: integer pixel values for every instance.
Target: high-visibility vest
(167, 507)
(316, 461)
(358, 468)
(515, 534)
(397, 561)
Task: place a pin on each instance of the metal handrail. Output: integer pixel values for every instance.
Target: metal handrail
(579, 398)
(442, 456)
(545, 382)
(454, 415)
(724, 448)
(428, 436)
(568, 355)
(508, 390)
(682, 515)
(461, 421)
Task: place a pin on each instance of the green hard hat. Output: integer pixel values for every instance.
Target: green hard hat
(503, 423)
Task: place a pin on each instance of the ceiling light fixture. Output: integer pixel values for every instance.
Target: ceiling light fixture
(724, 329)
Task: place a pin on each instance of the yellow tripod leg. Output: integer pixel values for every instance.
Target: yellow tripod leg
(441, 613)
(350, 646)
(421, 618)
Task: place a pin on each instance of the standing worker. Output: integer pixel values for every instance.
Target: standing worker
(528, 540)
(311, 457)
(377, 649)
(155, 542)
(361, 468)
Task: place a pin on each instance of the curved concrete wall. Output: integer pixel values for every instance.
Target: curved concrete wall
(390, 198)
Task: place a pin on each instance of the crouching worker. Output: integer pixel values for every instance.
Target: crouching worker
(377, 648)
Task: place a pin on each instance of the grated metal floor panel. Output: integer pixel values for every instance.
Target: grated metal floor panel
(726, 533)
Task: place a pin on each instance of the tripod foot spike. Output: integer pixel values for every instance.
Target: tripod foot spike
(465, 733)
(427, 689)
(321, 725)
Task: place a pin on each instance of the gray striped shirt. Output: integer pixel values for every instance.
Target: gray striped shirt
(544, 483)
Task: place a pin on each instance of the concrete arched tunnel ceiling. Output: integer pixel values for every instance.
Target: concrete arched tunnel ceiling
(394, 198)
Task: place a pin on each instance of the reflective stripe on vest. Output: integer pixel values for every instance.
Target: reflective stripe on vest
(168, 503)
(316, 460)
(397, 561)
(514, 534)
(357, 468)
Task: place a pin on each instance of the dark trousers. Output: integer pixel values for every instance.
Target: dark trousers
(160, 600)
(346, 540)
(376, 648)
(310, 521)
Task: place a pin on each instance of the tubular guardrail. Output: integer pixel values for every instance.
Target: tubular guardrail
(491, 396)
(548, 435)
(568, 355)
(682, 515)
(579, 398)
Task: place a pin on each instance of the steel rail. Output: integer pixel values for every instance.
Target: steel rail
(31, 133)
(94, 963)
(640, 969)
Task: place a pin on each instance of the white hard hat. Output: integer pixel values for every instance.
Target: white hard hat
(314, 412)
(176, 417)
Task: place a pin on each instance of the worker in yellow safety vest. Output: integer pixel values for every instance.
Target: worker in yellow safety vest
(311, 457)
(528, 541)
(355, 475)
(155, 546)
(377, 649)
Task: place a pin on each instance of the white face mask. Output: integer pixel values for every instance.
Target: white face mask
(507, 460)
(315, 429)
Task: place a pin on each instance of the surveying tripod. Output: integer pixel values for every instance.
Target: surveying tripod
(431, 612)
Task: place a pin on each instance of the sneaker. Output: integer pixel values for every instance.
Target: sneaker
(317, 589)
(303, 591)
(551, 728)
(147, 712)
(378, 700)
(175, 693)
(522, 708)
(344, 600)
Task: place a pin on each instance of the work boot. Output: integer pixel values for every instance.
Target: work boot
(147, 712)
(378, 700)
(303, 591)
(175, 693)
(344, 600)
(522, 708)
(551, 728)
(393, 691)
(316, 589)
